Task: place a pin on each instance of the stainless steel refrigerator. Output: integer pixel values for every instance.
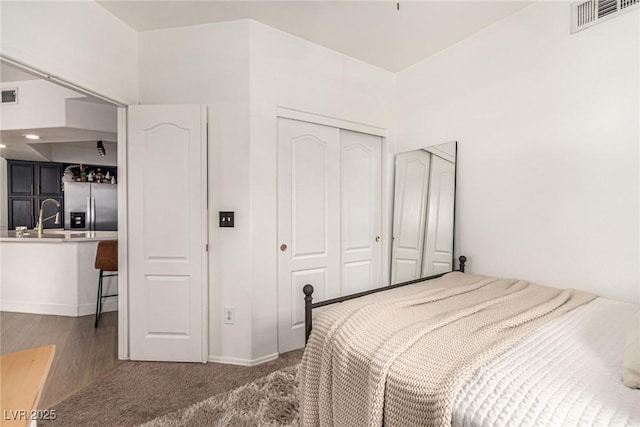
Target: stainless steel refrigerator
(90, 206)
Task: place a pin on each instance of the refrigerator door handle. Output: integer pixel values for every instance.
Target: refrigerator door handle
(93, 214)
(88, 218)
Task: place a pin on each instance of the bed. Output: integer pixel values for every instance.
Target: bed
(528, 355)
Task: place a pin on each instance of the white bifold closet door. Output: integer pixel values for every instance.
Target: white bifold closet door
(329, 218)
(308, 221)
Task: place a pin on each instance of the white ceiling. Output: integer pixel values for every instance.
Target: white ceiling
(54, 135)
(43, 152)
(372, 31)
(19, 148)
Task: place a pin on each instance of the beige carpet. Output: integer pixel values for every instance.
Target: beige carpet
(268, 401)
(137, 392)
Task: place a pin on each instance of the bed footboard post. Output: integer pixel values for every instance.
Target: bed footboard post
(463, 260)
(308, 299)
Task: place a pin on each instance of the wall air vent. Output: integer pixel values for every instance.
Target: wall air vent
(10, 96)
(607, 7)
(585, 14)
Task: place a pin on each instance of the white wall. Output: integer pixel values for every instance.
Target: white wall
(547, 124)
(79, 41)
(209, 64)
(243, 70)
(548, 129)
(78, 153)
(41, 104)
(83, 114)
(287, 71)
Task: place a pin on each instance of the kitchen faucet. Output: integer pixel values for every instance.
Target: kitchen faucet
(41, 221)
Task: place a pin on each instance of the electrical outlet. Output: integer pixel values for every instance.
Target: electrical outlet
(229, 315)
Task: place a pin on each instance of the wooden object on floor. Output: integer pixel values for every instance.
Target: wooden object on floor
(24, 375)
(83, 353)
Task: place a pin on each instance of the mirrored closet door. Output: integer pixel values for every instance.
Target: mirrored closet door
(423, 212)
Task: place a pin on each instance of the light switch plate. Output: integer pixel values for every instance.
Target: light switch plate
(227, 219)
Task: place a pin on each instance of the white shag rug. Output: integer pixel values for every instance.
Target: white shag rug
(267, 401)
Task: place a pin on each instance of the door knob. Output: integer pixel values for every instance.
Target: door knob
(378, 239)
(283, 247)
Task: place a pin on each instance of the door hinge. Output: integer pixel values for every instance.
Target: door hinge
(206, 247)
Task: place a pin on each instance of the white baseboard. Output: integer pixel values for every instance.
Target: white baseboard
(86, 309)
(243, 362)
(56, 309)
(39, 308)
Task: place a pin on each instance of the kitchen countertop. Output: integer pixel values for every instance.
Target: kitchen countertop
(64, 280)
(58, 236)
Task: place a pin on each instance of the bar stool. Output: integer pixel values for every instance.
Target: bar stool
(106, 260)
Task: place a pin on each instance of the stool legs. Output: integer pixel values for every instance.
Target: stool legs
(99, 301)
(101, 296)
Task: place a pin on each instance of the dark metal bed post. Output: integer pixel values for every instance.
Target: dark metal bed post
(308, 299)
(463, 260)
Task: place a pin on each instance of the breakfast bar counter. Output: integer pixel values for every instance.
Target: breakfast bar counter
(57, 236)
(53, 273)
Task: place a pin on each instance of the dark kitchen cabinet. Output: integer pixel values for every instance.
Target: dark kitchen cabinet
(28, 185)
(21, 212)
(20, 179)
(48, 179)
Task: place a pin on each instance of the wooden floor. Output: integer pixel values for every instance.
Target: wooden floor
(83, 353)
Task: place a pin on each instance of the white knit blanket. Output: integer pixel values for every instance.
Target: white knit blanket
(567, 373)
(400, 357)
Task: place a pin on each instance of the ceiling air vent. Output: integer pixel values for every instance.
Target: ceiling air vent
(10, 96)
(585, 14)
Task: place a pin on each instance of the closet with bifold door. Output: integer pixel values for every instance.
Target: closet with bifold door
(329, 218)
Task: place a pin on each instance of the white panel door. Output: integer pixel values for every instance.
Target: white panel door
(308, 222)
(361, 211)
(438, 245)
(410, 207)
(167, 232)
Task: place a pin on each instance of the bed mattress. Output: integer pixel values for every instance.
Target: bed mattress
(400, 357)
(567, 373)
